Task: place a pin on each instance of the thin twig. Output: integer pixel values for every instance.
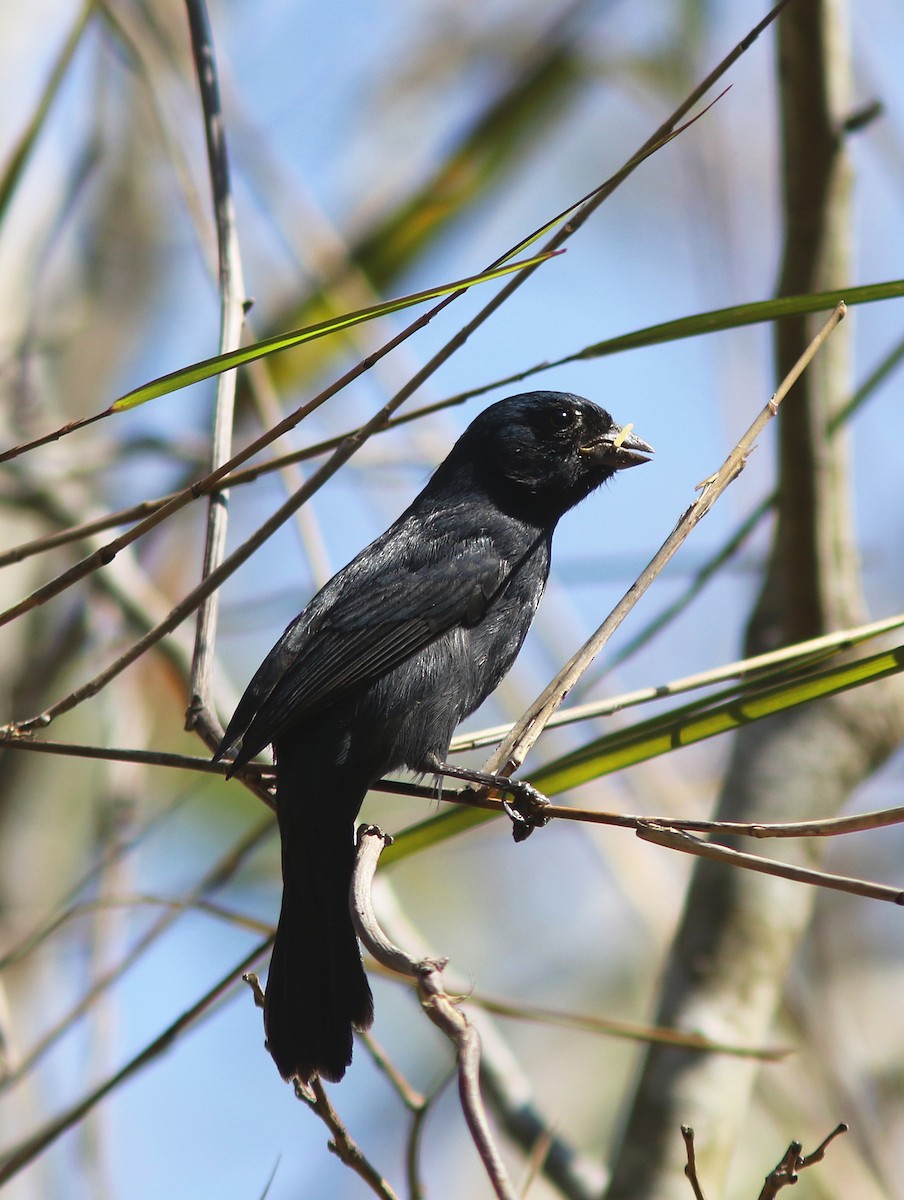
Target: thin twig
(342, 1144)
(536, 1161)
(232, 301)
(153, 758)
(26, 1151)
(813, 650)
(822, 827)
(819, 1153)
(711, 569)
(406, 1092)
(513, 750)
(691, 1169)
(219, 873)
(439, 1008)
(236, 478)
(675, 839)
(786, 1170)
(825, 827)
(629, 1030)
(178, 905)
(413, 1147)
(213, 480)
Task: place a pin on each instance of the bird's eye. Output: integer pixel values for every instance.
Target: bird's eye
(561, 419)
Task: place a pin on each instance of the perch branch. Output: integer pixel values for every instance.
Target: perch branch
(436, 1003)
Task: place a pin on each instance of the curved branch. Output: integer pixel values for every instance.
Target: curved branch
(437, 1005)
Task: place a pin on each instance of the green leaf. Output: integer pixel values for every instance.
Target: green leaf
(434, 830)
(696, 722)
(669, 731)
(740, 314)
(284, 341)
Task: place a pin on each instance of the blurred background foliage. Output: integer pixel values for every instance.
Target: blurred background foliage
(378, 149)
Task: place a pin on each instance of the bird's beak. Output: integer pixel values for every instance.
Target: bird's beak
(617, 449)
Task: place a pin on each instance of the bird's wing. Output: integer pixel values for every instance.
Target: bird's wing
(374, 620)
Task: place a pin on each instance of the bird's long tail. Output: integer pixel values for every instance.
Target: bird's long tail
(316, 989)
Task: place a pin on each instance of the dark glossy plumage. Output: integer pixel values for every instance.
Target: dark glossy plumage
(381, 666)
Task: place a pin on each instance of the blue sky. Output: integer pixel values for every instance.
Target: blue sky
(695, 229)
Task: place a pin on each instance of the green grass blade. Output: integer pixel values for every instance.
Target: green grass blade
(670, 731)
(694, 723)
(209, 367)
(740, 314)
(15, 165)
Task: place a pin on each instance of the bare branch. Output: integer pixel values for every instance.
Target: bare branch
(508, 1090)
(513, 750)
(232, 311)
(342, 1144)
(630, 1030)
(28, 1150)
(691, 1169)
(786, 1171)
(236, 478)
(439, 1008)
(213, 480)
(815, 649)
(223, 869)
(677, 840)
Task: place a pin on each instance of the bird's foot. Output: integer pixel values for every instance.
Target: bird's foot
(525, 809)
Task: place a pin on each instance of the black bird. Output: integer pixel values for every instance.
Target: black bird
(381, 666)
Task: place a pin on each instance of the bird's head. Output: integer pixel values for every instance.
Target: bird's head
(545, 450)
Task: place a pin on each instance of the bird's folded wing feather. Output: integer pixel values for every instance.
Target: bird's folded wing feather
(374, 622)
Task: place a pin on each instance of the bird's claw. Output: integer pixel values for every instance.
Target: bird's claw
(525, 810)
